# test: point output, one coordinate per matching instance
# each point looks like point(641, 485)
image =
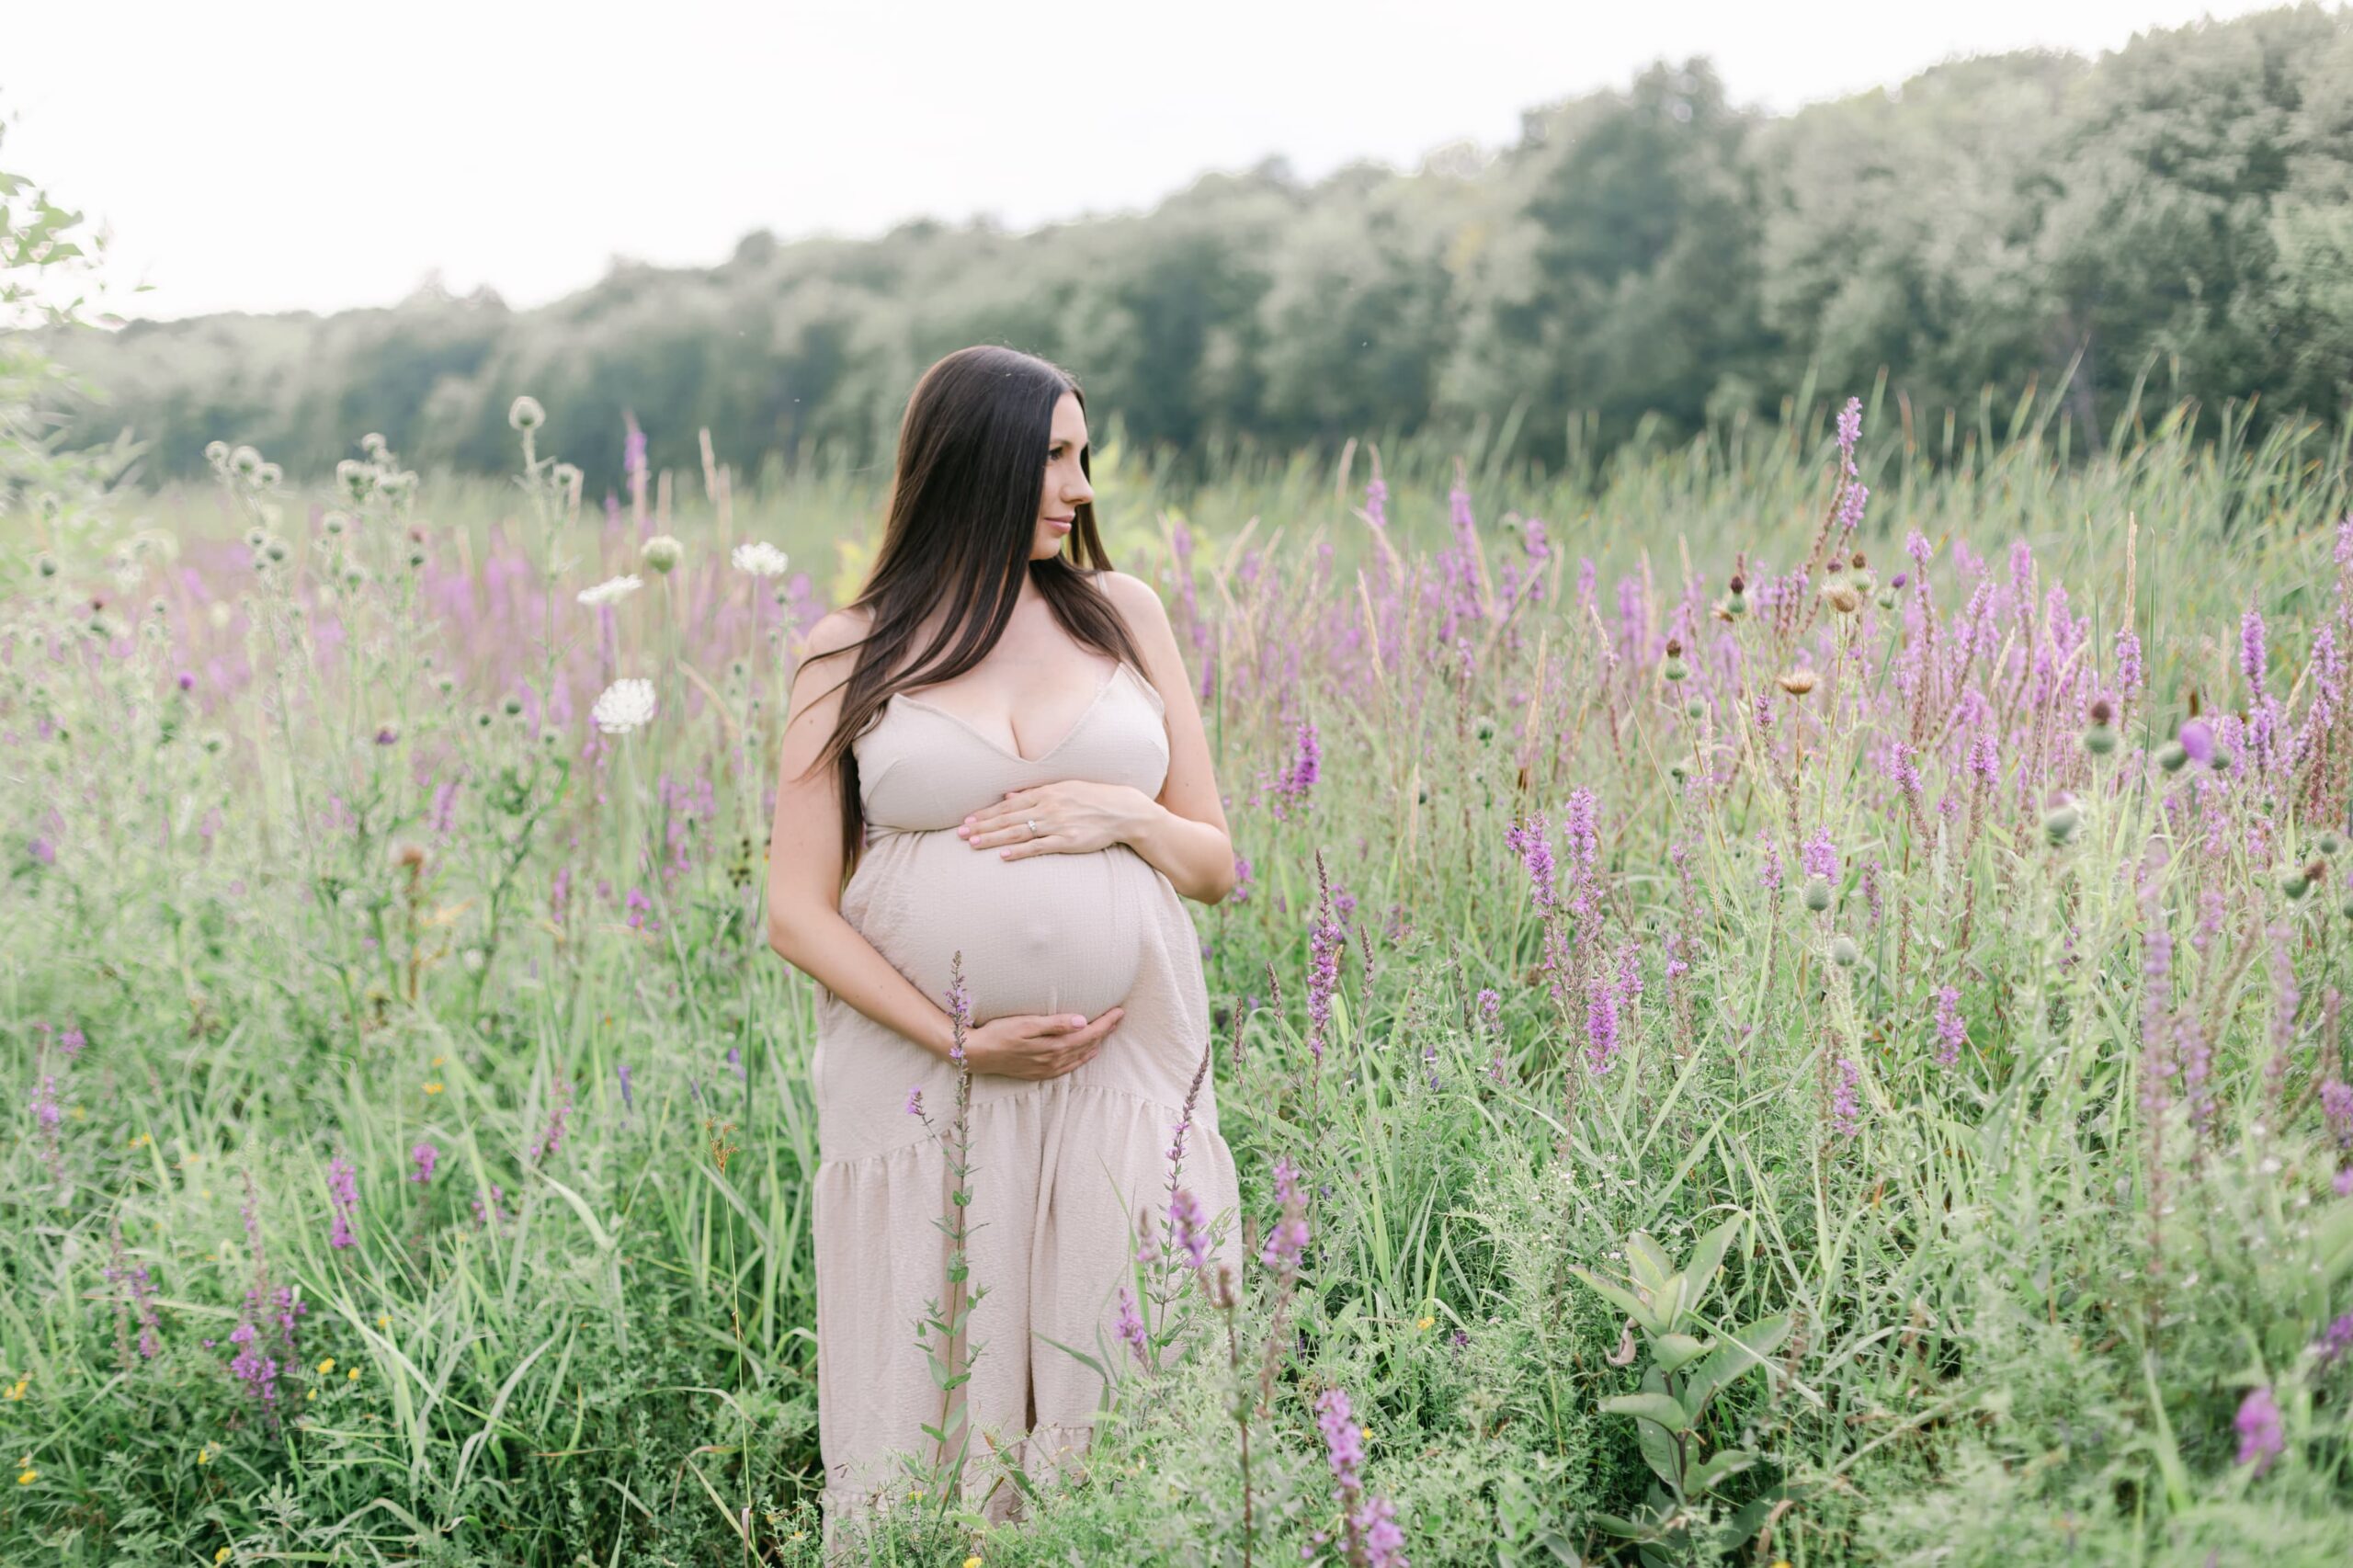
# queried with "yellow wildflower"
point(439, 1060)
point(204, 1454)
point(16, 1389)
point(222, 1555)
point(973, 1562)
point(28, 1478)
point(352, 1375)
point(326, 1366)
point(434, 1088)
point(1427, 1323)
point(313, 1395)
point(383, 1320)
point(798, 1535)
point(1368, 1434)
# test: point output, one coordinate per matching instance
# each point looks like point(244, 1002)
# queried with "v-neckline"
point(999, 746)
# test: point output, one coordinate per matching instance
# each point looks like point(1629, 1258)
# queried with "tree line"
point(2175, 217)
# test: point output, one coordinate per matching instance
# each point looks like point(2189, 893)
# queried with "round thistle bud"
point(374, 444)
point(1695, 709)
point(244, 462)
point(2171, 756)
point(511, 706)
point(216, 453)
point(1736, 602)
point(45, 563)
point(2221, 761)
point(335, 522)
point(2099, 740)
point(2330, 843)
point(2294, 884)
point(1682, 767)
point(2060, 824)
point(1843, 952)
point(1817, 892)
point(275, 549)
point(357, 479)
point(269, 476)
point(526, 414)
point(661, 553)
point(1886, 598)
point(1483, 726)
point(564, 476)
point(1675, 668)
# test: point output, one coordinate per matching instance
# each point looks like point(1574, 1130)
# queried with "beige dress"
point(1060, 1166)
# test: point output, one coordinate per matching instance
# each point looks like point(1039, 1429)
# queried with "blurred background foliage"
point(2173, 220)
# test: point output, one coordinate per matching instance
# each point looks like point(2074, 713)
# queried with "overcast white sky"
point(310, 155)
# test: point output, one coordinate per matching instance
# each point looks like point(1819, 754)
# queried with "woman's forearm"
point(831, 952)
point(1196, 856)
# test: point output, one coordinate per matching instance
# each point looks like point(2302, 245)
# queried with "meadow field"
point(1784, 1005)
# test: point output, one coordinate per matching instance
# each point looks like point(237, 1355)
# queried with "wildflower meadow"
point(1784, 1004)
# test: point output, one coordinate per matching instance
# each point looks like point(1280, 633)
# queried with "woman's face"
point(1066, 489)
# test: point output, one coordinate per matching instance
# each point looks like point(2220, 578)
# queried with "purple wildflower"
point(1952, 1032)
point(2336, 1109)
point(629, 1100)
point(343, 1193)
point(1850, 430)
point(915, 1100)
point(1845, 1111)
point(1819, 858)
point(2333, 1341)
point(1531, 842)
point(1288, 1241)
point(1768, 872)
point(424, 1156)
point(1130, 1326)
point(1601, 1031)
point(1192, 1234)
point(2197, 738)
point(552, 1137)
point(2262, 1434)
point(2254, 657)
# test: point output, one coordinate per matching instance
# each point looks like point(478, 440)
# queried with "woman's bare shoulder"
point(835, 630)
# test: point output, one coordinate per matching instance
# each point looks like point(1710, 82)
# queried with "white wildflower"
point(526, 414)
point(624, 705)
point(612, 590)
point(760, 558)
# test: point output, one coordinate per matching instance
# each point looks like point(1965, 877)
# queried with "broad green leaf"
point(1672, 1352)
point(1718, 1467)
point(1648, 1263)
point(1735, 1354)
point(1640, 1311)
point(1663, 1408)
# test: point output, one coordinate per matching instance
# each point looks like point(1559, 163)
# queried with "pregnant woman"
point(998, 741)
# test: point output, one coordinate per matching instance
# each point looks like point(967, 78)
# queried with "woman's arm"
point(805, 924)
point(1184, 831)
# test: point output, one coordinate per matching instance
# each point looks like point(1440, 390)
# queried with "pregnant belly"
point(1045, 934)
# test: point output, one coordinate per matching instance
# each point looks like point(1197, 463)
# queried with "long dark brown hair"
point(963, 513)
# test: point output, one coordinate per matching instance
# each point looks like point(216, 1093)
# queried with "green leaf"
point(1648, 1263)
point(1735, 1354)
point(1671, 1352)
point(1641, 1311)
point(1663, 1408)
point(1717, 1467)
point(1708, 1256)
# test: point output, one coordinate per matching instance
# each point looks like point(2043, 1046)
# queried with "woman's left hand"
point(1075, 816)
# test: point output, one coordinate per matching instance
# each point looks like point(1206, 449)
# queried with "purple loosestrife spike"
point(1288, 1241)
point(1952, 1032)
point(1819, 858)
point(2337, 1110)
point(2333, 1341)
point(1846, 1112)
point(915, 1101)
point(629, 1100)
point(1192, 1236)
point(1851, 431)
point(343, 1192)
point(2262, 1434)
point(1531, 841)
point(1130, 1326)
point(1147, 1245)
point(424, 1156)
point(1601, 1031)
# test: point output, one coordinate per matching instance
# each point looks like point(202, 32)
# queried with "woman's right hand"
point(1038, 1045)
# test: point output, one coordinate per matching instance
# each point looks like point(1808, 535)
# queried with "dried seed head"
point(1739, 584)
point(1797, 683)
point(2102, 712)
